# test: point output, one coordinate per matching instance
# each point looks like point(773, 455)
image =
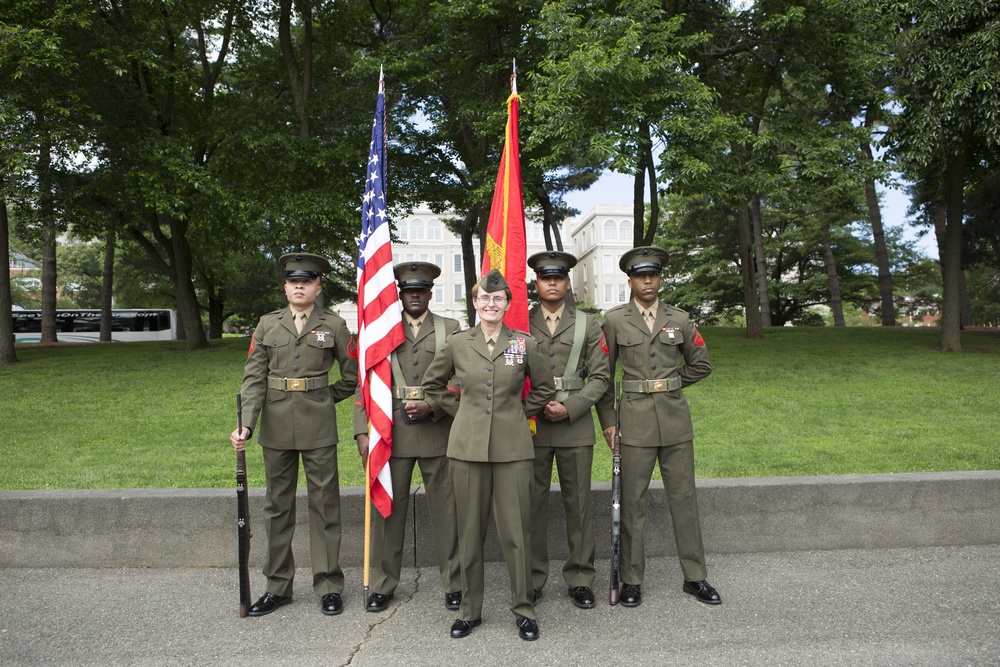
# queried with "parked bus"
point(84, 326)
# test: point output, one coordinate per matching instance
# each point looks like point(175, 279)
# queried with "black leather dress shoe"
point(631, 595)
point(378, 602)
point(703, 591)
point(527, 629)
point(267, 603)
point(582, 597)
point(453, 601)
point(332, 604)
point(462, 628)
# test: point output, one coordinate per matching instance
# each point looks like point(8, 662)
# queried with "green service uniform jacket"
point(674, 349)
point(423, 443)
point(571, 443)
point(490, 451)
point(656, 427)
point(491, 419)
point(297, 419)
point(299, 424)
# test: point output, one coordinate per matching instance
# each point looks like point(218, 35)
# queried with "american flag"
point(380, 319)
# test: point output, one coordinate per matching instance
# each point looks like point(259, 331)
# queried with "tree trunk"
point(216, 315)
point(7, 354)
point(761, 261)
point(951, 260)
point(47, 217)
point(469, 267)
point(965, 319)
point(550, 229)
point(107, 286)
point(750, 301)
point(638, 205)
point(878, 234)
point(186, 298)
point(836, 302)
point(300, 81)
point(654, 199)
point(217, 304)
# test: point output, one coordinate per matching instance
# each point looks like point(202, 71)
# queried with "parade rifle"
point(242, 516)
point(616, 500)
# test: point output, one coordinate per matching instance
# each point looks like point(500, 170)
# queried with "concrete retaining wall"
point(196, 527)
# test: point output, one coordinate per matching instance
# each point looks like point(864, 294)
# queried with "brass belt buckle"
point(295, 384)
point(413, 393)
point(657, 385)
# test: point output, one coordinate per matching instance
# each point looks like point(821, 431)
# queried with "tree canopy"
point(186, 145)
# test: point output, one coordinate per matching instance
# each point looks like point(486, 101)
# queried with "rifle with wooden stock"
point(616, 500)
point(242, 517)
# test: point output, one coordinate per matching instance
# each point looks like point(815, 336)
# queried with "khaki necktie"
point(552, 321)
point(300, 322)
point(415, 327)
point(650, 319)
point(489, 345)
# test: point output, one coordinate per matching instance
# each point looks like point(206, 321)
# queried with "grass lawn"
point(801, 401)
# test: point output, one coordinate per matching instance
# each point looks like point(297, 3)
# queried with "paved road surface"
point(927, 606)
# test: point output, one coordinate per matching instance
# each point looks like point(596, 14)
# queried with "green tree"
point(944, 73)
point(616, 85)
point(448, 69)
point(44, 122)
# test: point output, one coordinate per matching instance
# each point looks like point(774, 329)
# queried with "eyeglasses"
point(498, 300)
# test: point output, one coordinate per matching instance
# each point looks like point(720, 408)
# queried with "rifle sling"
point(439, 334)
point(579, 334)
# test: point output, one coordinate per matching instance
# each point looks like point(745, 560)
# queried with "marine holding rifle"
point(286, 384)
point(660, 352)
point(577, 356)
point(419, 436)
point(490, 448)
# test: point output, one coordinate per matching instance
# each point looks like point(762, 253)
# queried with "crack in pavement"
point(384, 617)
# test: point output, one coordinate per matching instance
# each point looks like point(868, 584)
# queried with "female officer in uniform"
point(490, 447)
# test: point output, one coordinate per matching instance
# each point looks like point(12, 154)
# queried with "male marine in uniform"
point(571, 339)
point(286, 384)
point(660, 351)
point(419, 435)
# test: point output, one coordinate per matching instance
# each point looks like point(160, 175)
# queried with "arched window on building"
point(610, 230)
point(416, 229)
point(433, 229)
point(402, 230)
point(625, 230)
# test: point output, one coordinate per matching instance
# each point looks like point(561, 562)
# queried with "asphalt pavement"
point(909, 606)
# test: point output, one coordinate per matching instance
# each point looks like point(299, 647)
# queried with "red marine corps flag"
point(506, 243)
point(380, 316)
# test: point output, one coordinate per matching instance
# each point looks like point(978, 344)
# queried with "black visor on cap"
point(644, 267)
point(555, 270)
point(301, 273)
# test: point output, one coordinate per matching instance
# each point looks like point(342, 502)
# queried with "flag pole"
point(368, 522)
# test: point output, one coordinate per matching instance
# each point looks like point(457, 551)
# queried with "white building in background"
point(598, 238)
